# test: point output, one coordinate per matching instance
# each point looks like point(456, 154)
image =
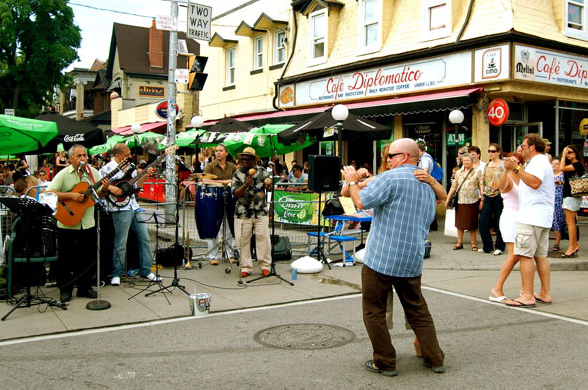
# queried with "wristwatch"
point(517, 169)
point(352, 183)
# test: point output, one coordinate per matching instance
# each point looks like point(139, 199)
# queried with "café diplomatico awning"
point(451, 100)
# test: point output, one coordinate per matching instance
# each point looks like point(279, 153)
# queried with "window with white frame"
point(370, 24)
point(280, 47)
point(230, 67)
point(436, 18)
point(576, 16)
point(318, 36)
point(258, 53)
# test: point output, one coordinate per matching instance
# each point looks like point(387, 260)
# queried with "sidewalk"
point(463, 272)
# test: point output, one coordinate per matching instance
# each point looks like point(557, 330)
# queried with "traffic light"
point(196, 64)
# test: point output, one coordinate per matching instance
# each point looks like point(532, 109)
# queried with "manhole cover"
point(304, 336)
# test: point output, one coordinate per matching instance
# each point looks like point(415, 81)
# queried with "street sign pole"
point(170, 194)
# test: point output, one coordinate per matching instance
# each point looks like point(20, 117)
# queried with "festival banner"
point(299, 208)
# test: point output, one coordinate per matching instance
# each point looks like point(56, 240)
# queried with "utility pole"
point(170, 190)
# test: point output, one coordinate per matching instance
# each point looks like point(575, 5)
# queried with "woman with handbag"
point(467, 187)
point(571, 166)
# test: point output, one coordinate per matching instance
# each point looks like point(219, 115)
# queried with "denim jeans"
point(123, 222)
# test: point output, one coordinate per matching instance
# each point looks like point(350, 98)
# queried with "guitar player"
point(77, 243)
point(126, 218)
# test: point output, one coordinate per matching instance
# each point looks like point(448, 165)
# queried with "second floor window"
point(280, 47)
point(318, 35)
point(436, 18)
point(370, 23)
point(576, 14)
point(258, 53)
point(230, 78)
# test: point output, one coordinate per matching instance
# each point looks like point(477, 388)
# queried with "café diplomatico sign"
point(438, 72)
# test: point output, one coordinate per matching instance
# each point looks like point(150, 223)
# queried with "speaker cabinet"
point(324, 173)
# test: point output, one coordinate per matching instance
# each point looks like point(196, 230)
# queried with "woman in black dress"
point(571, 166)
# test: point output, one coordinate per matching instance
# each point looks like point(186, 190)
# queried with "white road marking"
point(350, 296)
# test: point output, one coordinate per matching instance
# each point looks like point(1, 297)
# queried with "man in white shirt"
point(425, 159)
point(536, 203)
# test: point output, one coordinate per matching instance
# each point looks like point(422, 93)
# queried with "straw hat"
point(547, 142)
point(248, 151)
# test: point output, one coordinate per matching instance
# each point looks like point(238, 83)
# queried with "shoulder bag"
point(455, 198)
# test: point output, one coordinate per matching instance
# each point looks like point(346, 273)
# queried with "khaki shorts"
point(531, 241)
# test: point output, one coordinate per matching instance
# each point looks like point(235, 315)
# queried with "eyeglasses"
point(492, 151)
point(571, 151)
point(392, 155)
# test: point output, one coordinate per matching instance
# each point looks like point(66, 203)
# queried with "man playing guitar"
point(126, 218)
point(77, 243)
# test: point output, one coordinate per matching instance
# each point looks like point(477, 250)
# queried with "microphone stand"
point(97, 304)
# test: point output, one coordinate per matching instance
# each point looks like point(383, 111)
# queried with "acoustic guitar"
point(70, 212)
point(127, 181)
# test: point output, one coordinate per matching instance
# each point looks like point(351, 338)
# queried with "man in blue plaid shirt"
point(403, 209)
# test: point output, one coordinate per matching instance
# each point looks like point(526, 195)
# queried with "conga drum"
point(209, 209)
point(230, 208)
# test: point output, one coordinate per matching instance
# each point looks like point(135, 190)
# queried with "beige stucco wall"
point(252, 93)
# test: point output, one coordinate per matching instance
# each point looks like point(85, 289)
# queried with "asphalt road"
point(486, 345)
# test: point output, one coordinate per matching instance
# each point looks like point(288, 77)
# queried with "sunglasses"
point(571, 151)
point(492, 151)
point(461, 153)
point(392, 155)
point(247, 158)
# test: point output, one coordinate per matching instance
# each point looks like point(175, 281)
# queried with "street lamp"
point(340, 114)
point(136, 129)
point(456, 118)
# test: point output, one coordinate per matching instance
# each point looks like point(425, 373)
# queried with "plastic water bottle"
point(294, 274)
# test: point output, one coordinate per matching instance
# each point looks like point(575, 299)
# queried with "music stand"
point(157, 218)
point(178, 250)
point(26, 208)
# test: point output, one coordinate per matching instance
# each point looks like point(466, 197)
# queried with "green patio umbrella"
point(142, 138)
point(187, 138)
point(116, 139)
point(263, 139)
point(100, 149)
point(21, 135)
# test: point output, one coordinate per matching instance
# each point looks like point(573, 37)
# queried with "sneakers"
point(116, 281)
point(214, 262)
point(153, 278)
point(265, 272)
point(244, 274)
point(497, 252)
point(371, 367)
point(436, 370)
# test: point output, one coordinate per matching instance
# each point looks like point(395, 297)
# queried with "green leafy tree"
point(38, 39)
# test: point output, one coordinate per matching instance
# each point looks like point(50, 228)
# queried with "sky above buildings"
point(95, 18)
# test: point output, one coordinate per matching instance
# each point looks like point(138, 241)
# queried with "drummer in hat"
point(223, 171)
point(250, 184)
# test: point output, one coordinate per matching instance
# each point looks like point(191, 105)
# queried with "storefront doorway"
point(511, 134)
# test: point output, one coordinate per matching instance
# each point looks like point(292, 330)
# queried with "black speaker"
point(324, 173)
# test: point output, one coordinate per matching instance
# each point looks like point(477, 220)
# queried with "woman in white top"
point(509, 190)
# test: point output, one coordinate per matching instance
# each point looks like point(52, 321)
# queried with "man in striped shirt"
point(403, 210)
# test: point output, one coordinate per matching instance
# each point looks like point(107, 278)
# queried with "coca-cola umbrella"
point(71, 132)
point(22, 135)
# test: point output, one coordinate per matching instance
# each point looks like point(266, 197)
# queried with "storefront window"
point(570, 114)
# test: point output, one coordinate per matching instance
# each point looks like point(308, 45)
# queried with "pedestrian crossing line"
point(526, 310)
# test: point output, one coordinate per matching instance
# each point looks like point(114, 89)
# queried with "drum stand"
point(223, 244)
